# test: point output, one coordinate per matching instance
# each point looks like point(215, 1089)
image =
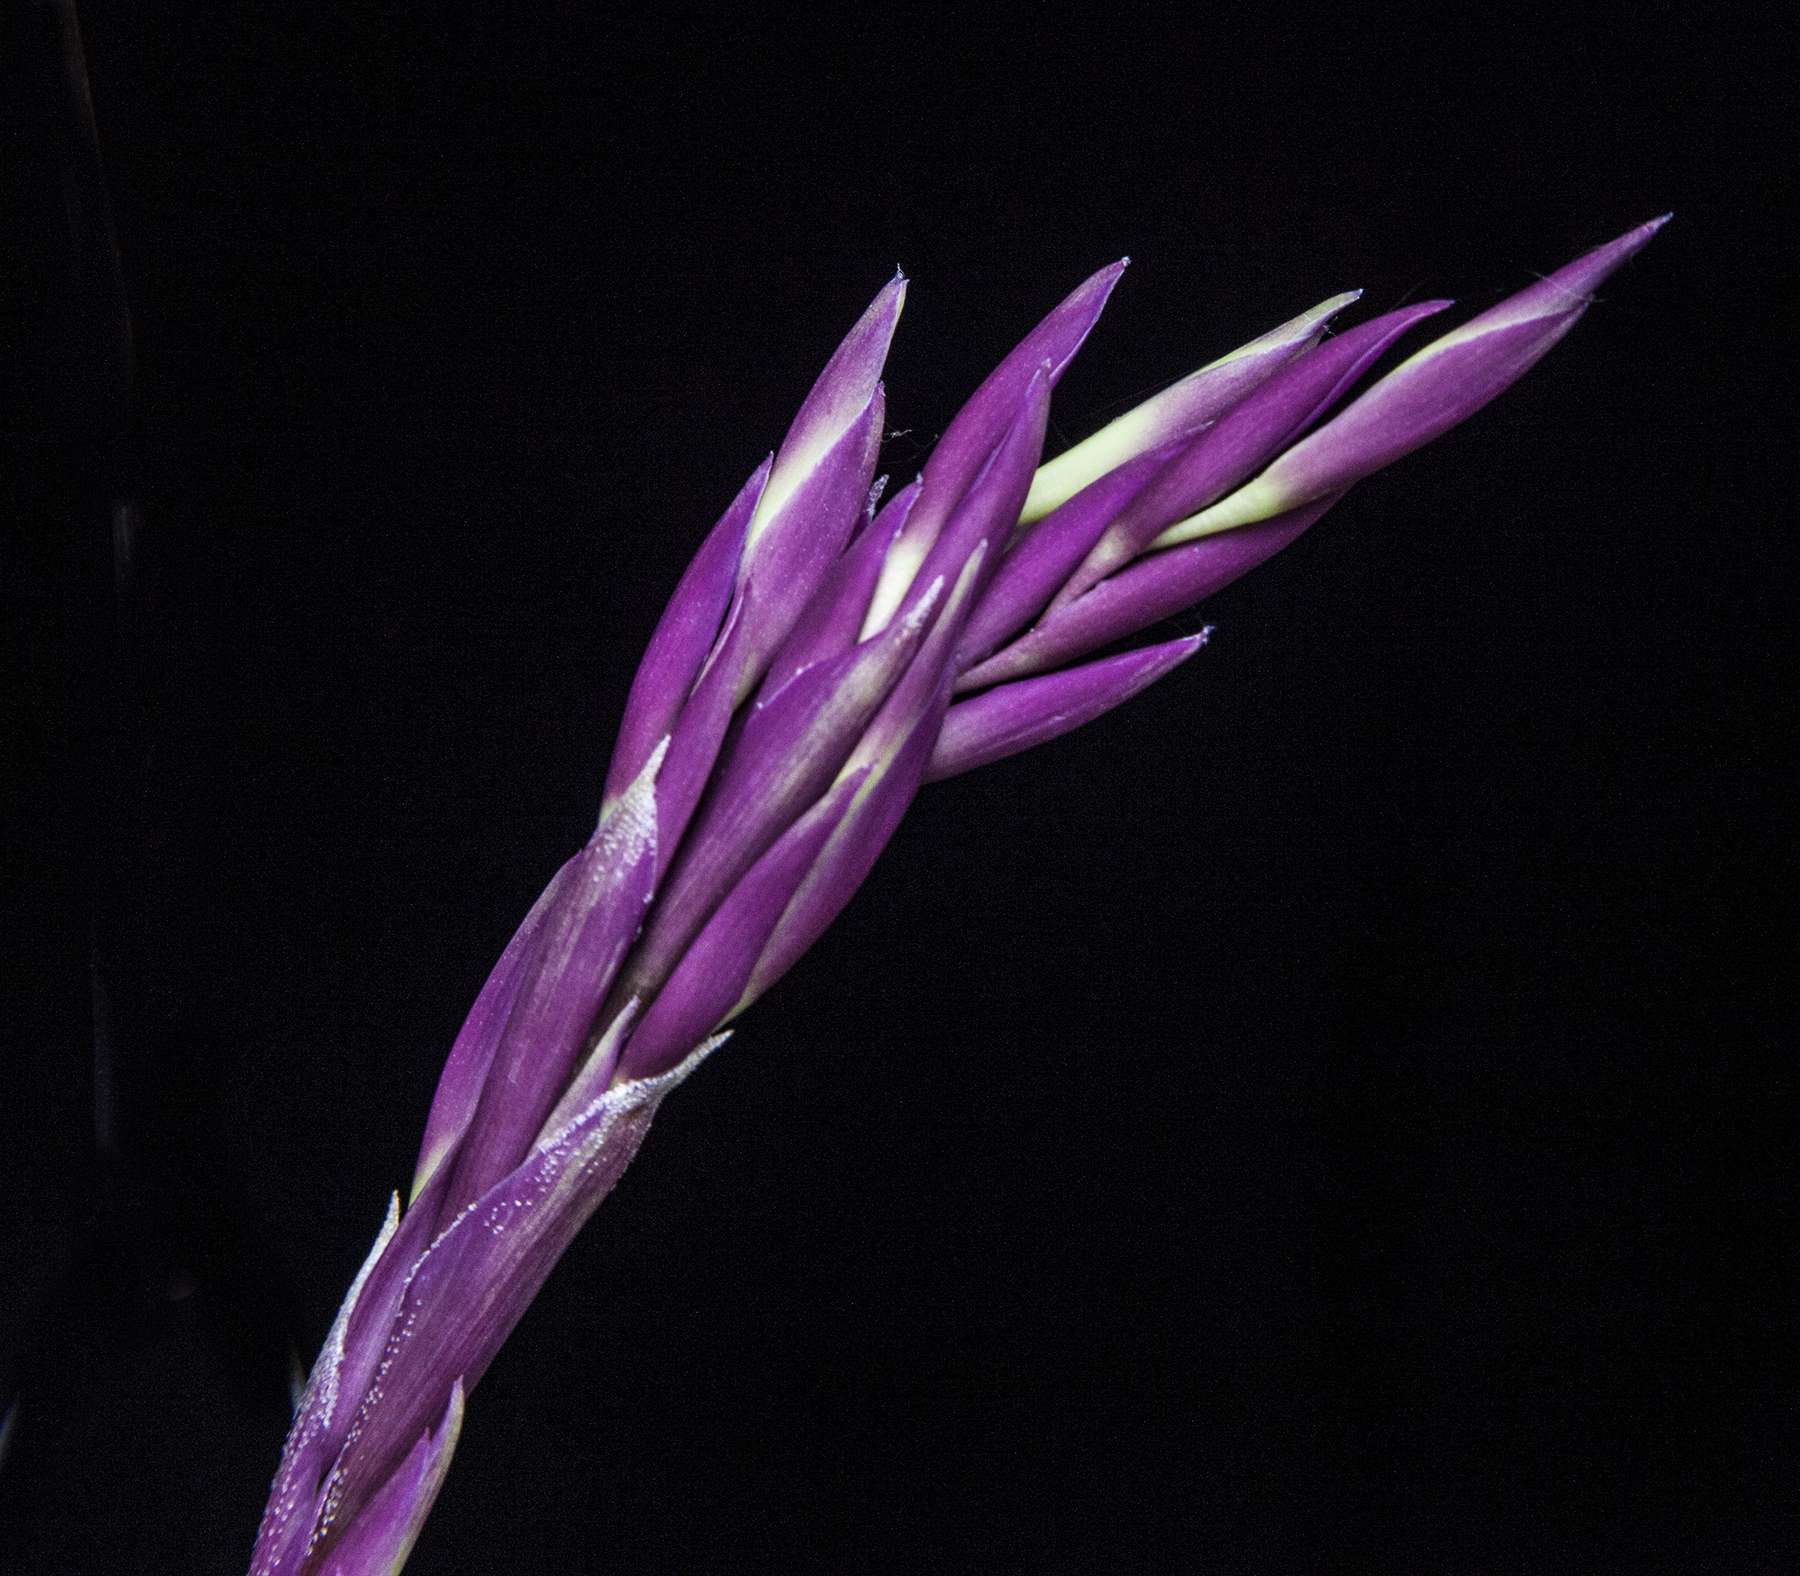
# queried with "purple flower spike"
point(1447, 381)
point(795, 694)
point(683, 637)
point(979, 425)
point(1220, 458)
point(383, 1535)
point(705, 989)
point(1016, 716)
point(1144, 594)
point(1181, 410)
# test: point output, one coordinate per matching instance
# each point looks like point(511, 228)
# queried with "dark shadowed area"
point(1335, 1113)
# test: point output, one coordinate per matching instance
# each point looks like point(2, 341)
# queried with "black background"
point(1333, 1114)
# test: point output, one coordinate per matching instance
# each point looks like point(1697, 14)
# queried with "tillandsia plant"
point(822, 657)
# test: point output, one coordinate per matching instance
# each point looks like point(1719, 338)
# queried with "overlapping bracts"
point(794, 696)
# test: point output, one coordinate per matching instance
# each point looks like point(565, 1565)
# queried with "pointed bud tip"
point(1635, 240)
point(1587, 273)
point(880, 319)
point(1107, 277)
point(1312, 320)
